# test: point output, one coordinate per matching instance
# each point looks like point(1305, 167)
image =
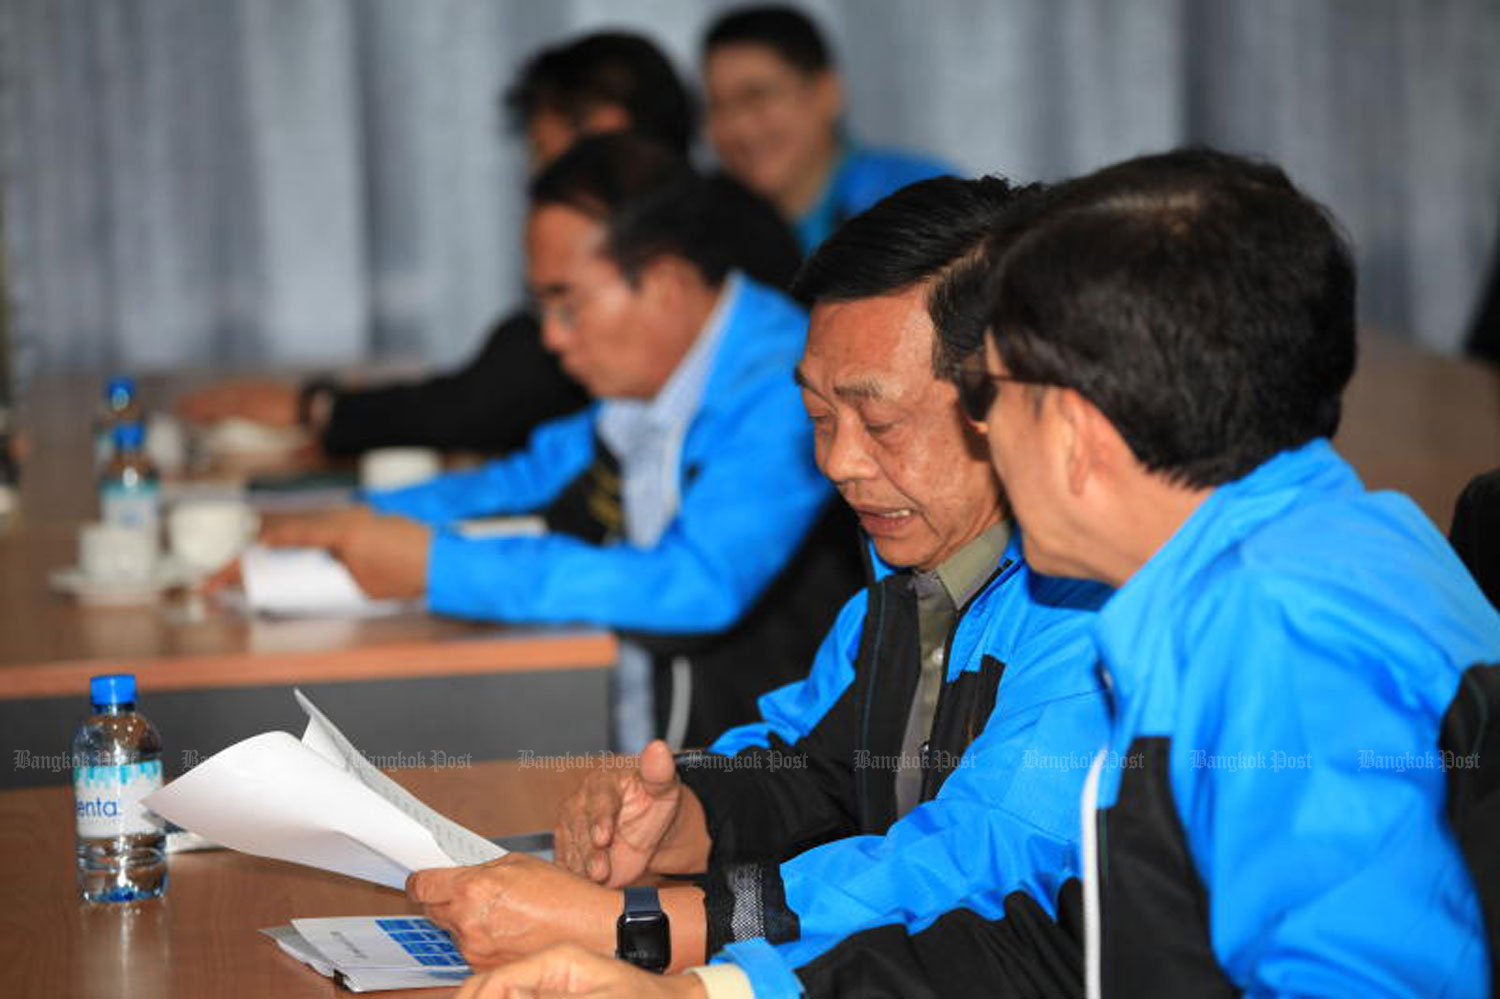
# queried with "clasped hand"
point(514, 906)
point(626, 823)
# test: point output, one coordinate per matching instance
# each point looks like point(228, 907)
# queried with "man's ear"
point(1078, 428)
point(828, 93)
point(1095, 448)
point(664, 279)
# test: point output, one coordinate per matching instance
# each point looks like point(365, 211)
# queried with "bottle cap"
point(129, 436)
point(119, 391)
point(113, 688)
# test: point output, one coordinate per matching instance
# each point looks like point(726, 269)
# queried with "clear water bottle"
point(122, 855)
point(120, 405)
point(129, 489)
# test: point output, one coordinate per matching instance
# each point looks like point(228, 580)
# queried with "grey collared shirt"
point(940, 594)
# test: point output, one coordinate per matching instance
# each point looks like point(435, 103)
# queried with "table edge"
point(396, 661)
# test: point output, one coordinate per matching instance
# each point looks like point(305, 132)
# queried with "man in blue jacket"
point(1303, 673)
point(677, 499)
point(775, 117)
point(915, 798)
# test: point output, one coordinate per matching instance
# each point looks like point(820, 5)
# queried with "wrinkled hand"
point(515, 906)
point(624, 823)
point(567, 970)
point(386, 555)
point(259, 399)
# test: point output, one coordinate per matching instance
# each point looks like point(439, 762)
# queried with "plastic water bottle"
point(120, 405)
point(129, 491)
point(122, 855)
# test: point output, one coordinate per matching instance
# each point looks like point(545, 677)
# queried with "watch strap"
point(642, 900)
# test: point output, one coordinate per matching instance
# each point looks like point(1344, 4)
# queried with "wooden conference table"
point(209, 676)
point(201, 939)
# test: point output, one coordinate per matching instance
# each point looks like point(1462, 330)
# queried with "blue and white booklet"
point(373, 953)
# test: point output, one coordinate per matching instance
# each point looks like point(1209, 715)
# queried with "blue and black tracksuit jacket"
point(1304, 798)
point(816, 887)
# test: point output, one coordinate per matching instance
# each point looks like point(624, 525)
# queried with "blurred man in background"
point(775, 117)
point(600, 83)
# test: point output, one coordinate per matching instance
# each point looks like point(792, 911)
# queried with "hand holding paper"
point(306, 582)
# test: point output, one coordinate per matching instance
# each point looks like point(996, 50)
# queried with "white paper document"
point(370, 953)
point(307, 582)
point(319, 802)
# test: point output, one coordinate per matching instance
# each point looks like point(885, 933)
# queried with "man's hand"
point(515, 906)
point(387, 555)
point(259, 399)
point(572, 971)
point(624, 823)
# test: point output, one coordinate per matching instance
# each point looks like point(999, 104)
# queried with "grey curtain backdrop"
point(315, 182)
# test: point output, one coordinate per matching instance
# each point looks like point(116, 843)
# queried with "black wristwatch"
point(642, 936)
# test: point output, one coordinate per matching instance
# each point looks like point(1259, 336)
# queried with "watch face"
point(644, 940)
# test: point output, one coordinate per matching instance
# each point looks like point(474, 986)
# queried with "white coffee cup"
point(397, 467)
point(207, 534)
point(115, 554)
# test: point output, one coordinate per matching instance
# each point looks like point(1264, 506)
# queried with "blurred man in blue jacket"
point(694, 472)
point(775, 117)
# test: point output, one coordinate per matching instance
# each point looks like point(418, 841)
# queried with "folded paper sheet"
point(307, 582)
point(318, 802)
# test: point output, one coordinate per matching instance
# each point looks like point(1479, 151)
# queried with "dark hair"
point(787, 31)
point(933, 229)
point(1198, 299)
point(608, 68)
point(653, 204)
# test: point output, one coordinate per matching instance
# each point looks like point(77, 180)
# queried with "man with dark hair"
point(903, 806)
point(1304, 675)
point(775, 109)
point(694, 473)
point(604, 82)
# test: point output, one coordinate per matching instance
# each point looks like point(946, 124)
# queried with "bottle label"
point(108, 799)
point(134, 507)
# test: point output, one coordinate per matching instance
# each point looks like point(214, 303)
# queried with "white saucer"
point(122, 592)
